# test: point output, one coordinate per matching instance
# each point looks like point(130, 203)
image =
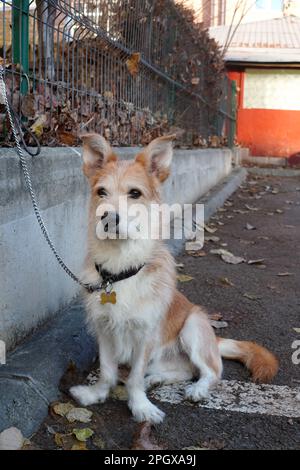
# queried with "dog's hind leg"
point(170, 371)
point(199, 342)
point(89, 394)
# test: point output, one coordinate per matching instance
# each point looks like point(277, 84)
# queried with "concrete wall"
point(32, 285)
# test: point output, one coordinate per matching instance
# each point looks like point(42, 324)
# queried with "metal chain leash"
point(27, 178)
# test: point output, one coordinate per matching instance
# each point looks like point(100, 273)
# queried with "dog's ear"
point(96, 153)
point(157, 156)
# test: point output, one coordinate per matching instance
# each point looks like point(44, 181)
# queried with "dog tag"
point(108, 298)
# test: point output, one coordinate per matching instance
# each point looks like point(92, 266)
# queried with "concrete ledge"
point(29, 381)
point(274, 171)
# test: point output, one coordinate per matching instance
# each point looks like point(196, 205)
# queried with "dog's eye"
point(134, 193)
point(101, 192)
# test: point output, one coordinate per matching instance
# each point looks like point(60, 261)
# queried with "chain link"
point(27, 178)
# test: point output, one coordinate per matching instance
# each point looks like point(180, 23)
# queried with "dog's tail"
point(262, 364)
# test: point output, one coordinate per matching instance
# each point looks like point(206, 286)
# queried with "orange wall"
point(266, 132)
point(270, 132)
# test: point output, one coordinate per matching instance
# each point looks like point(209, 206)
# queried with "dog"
point(146, 322)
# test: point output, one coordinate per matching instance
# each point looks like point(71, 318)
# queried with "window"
point(272, 89)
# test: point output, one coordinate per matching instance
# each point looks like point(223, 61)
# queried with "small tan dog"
point(145, 322)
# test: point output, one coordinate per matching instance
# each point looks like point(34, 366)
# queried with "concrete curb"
point(29, 381)
point(274, 171)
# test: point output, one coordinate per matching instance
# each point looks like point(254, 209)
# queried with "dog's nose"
point(110, 220)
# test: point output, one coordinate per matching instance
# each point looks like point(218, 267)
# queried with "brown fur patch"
point(179, 310)
point(261, 362)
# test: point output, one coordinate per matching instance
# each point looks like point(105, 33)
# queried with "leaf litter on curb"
point(72, 413)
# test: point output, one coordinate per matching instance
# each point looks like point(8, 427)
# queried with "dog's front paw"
point(146, 411)
point(89, 394)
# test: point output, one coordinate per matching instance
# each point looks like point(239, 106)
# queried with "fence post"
point(20, 39)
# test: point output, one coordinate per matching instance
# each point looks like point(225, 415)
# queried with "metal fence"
point(128, 69)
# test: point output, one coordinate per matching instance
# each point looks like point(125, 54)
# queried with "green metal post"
point(20, 38)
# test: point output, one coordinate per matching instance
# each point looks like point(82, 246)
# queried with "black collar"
point(112, 278)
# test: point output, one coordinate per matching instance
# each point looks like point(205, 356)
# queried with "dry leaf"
point(65, 441)
point(197, 254)
point(79, 414)
point(250, 208)
point(232, 259)
point(228, 257)
point(279, 211)
point(79, 446)
point(11, 439)
point(82, 434)
point(143, 440)
point(38, 126)
point(285, 274)
point(297, 330)
point(179, 265)
point(256, 261)
point(212, 238)
point(250, 227)
point(209, 229)
point(119, 393)
point(184, 278)
point(193, 246)
point(195, 81)
point(226, 282)
point(67, 138)
point(215, 316)
point(62, 409)
point(251, 296)
point(133, 63)
point(218, 324)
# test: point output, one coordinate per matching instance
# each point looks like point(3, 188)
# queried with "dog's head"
point(124, 191)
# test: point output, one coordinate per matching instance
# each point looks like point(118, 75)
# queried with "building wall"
point(268, 120)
